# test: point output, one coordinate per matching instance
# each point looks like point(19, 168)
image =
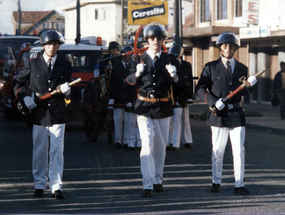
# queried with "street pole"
point(20, 15)
point(180, 22)
point(77, 39)
point(176, 22)
point(122, 29)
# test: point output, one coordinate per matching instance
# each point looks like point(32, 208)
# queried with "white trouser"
point(131, 131)
point(186, 134)
point(180, 129)
point(175, 128)
point(219, 142)
point(119, 114)
point(48, 145)
point(154, 134)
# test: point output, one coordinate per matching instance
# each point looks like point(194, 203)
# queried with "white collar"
point(152, 55)
point(224, 60)
point(46, 58)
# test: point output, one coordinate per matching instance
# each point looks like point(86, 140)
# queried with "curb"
point(266, 129)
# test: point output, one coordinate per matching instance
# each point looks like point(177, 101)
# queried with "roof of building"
point(30, 16)
point(35, 18)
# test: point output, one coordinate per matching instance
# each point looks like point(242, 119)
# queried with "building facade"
point(32, 22)
point(97, 18)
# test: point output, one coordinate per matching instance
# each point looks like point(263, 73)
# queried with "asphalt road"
point(99, 179)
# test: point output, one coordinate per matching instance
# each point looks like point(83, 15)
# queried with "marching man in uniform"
point(180, 130)
point(122, 94)
point(107, 66)
point(154, 77)
point(218, 79)
point(44, 74)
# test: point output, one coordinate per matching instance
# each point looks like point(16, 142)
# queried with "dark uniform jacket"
point(121, 92)
point(277, 82)
point(183, 90)
point(215, 83)
point(103, 68)
point(53, 110)
point(153, 83)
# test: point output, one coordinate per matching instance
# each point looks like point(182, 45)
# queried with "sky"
point(8, 6)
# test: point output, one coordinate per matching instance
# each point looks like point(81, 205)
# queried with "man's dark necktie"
point(155, 62)
point(229, 68)
point(49, 65)
point(127, 66)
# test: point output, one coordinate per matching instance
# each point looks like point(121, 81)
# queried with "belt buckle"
point(230, 106)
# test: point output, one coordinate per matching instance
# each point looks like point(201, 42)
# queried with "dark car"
point(12, 44)
point(15, 43)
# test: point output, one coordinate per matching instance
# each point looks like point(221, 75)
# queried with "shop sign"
point(145, 12)
point(250, 12)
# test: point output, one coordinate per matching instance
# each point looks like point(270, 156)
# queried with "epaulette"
point(32, 58)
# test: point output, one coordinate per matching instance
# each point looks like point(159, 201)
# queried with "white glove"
point(65, 88)
point(30, 102)
point(110, 104)
point(129, 104)
point(219, 104)
point(140, 68)
point(171, 70)
point(189, 102)
point(252, 80)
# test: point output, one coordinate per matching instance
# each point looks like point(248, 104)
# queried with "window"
point(238, 8)
point(81, 61)
point(96, 14)
point(221, 9)
point(205, 11)
point(44, 25)
point(106, 14)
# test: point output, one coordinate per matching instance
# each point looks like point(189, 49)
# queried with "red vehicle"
point(12, 65)
point(13, 43)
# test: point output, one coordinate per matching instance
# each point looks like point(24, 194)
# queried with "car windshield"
point(15, 44)
point(81, 61)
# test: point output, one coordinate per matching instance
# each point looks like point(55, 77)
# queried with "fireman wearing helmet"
point(107, 66)
point(44, 74)
point(180, 130)
point(154, 77)
point(217, 80)
point(121, 95)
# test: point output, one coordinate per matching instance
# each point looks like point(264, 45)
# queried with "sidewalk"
point(269, 122)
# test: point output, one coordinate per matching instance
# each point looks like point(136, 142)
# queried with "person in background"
point(278, 88)
point(106, 67)
point(180, 130)
point(154, 76)
point(218, 79)
point(44, 74)
point(120, 96)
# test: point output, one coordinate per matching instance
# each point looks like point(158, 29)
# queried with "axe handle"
point(233, 94)
point(241, 87)
point(48, 95)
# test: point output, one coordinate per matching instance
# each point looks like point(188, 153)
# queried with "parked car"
point(12, 66)
point(10, 48)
